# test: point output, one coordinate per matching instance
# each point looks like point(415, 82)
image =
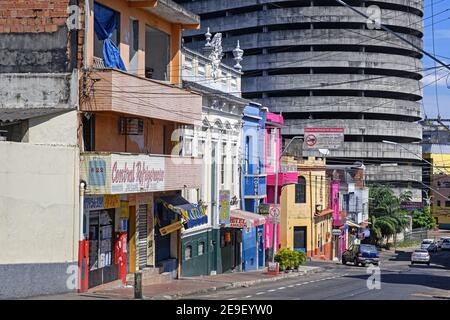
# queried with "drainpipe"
point(82, 189)
point(86, 32)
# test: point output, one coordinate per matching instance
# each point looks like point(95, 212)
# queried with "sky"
point(442, 47)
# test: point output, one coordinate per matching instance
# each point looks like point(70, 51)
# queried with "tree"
point(387, 217)
point(423, 219)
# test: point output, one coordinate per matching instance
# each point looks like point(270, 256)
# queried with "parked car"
point(361, 254)
point(445, 244)
point(439, 243)
point(430, 245)
point(420, 256)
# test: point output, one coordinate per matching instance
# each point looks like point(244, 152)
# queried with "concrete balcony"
point(280, 16)
point(313, 37)
point(393, 173)
point(205, 6)
point(255, 186)
point(331, 82)
point(122, 173)
point(378, 150)
point(118, 91)
point(358, 127)
point(344, 104)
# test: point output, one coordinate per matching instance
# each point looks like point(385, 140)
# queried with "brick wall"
point(34, 36)
point(32, 15)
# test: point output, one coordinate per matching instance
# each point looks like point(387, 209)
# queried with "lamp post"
point(277, 164)
point(417, 155)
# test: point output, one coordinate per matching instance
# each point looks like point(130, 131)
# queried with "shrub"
point(290, 259)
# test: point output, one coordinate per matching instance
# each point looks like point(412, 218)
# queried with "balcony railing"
point(99, 63)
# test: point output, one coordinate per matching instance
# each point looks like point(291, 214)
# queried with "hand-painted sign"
point(94, 202)
point(171, 228)
point(224, 203)
point(323, 138)
point(97, 172)
point(112, 201)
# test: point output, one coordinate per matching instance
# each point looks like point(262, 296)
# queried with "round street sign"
point(274, 214)
point(311, 140)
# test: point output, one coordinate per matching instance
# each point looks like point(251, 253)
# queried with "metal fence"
point(416, 234)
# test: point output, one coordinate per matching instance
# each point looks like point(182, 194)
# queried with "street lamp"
point(274, 245)
point(417, 155)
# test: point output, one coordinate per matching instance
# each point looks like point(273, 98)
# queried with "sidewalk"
point(188, 286)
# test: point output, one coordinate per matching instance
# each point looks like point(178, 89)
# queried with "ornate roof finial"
point(208, 36)
point(238, 53)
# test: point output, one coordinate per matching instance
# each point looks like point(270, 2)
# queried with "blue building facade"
point(253, 184)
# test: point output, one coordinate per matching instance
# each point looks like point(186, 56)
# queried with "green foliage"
point(386, 216)
point(290, 259)
point(408, 243)
point(423, 219)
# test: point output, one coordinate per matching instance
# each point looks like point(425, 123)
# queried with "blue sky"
point(442, 45)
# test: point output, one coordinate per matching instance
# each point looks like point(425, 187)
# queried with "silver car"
point(420, 256)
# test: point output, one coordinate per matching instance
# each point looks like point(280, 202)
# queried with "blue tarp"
point(105, 23)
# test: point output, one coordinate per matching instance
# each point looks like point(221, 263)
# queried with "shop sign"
point(323, 138)
point(94, 202)
point(137, 174)
point(411, 205)
point(124, 210)
point(112, 201)
point(336, 232)
point(171, 228)
point(224, 205)
point(236, 222)
point(97, 172)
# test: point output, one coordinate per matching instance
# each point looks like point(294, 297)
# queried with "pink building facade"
point(273, 146)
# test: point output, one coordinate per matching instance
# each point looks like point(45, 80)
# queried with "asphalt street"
point(399, 280)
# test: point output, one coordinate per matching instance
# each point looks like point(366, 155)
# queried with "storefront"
point(127, 227)
point(174, 254)
point(252, 226)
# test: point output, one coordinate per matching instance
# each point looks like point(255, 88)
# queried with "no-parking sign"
point(323, 138)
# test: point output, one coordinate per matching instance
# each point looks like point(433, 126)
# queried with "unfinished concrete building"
point(322, 65)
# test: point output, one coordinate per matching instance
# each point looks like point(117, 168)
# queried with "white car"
point(445, 244)
point(441, 240)
point(420, 256)
point(429, 244)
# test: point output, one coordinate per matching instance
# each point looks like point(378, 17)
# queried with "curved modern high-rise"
point(321, 65)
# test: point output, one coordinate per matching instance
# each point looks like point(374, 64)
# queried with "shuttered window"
point(142, 236)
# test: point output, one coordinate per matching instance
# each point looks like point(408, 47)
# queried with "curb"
point(241, 284)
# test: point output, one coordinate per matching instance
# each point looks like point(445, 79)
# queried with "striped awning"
point(245, 219)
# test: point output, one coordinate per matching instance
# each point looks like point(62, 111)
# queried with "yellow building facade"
point(438, 177)
point(306, 217)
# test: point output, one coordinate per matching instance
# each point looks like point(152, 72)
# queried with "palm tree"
point(388, 218)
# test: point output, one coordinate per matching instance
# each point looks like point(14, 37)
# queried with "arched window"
point(201, 248)
point(188, 253)
point(300, 190)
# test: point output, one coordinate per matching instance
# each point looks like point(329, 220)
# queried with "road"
point(399, 281)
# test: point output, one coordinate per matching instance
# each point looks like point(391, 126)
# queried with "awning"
point(324, 212)
point(352, 224)
point(192, 214)
point(245, 219)
point(15, 114)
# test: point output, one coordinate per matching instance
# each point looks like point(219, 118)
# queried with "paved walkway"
point(188, 286)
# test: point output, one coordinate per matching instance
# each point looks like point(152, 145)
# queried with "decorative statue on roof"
point(216, 54)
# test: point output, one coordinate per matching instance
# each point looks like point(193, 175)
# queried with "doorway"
point(300, 239)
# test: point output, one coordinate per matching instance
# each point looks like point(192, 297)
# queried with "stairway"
point(151, 276)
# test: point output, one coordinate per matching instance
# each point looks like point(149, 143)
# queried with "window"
point(222, 165)
point(134, 45)
point(187, 147)
point(439, 203)
point(300, 190)
point(447, 203)
point(157, 54)
point(247, 154)
point(271, 148)
point(201, 70)
point(98, 44)
point(201, 148)
point(188, 253)
point(201, 248)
